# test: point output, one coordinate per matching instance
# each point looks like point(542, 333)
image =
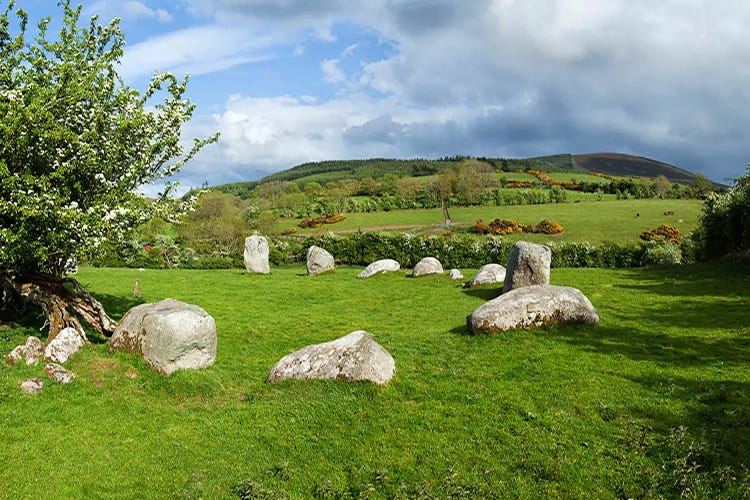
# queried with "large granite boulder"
point(68, 342)
point(379, 266)
point(531, 307)
point(354, 357)
point(428, 265)
point(528, 264)
point(490, 273)
point(256, 255)
point(170, 335)
point(318, 261)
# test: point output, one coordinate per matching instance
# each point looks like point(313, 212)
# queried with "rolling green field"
point(654, 401)
point(593, 221)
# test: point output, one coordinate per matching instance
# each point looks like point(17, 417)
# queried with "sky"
point(291, 81)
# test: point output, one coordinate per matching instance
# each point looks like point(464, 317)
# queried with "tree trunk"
point(63, 300)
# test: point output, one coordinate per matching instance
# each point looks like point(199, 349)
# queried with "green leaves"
point(75, 142)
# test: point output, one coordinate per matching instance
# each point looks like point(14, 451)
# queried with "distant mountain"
point(622, 165)
point(615, 164)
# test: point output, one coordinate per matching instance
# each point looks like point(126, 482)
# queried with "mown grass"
point(619, 221)
point(654, 401)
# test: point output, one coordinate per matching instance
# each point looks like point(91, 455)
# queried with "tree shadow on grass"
point(116, 306)
point(703, 436)
point(483, 293)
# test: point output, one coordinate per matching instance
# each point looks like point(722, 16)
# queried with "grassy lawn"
point(654, 401)
point(593, 221)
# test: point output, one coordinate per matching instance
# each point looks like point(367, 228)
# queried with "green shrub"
point(724, 227)
point(662, 254)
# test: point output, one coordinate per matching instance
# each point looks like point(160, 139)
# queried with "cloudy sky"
point(289, 81)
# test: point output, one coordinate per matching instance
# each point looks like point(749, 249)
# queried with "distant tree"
point(701, 186)
point(217, 226)
point(75, 144)
point(662, 185)
point(472, 178)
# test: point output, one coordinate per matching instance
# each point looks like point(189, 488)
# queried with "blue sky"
point(289, 81)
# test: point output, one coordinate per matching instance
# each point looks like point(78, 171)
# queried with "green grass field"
point(652, 402)
point(593, 221)
point(576, 177)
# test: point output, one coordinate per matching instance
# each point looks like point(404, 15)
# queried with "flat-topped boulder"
point(487, 274)
point(354, 357)
point(379, 267)
point(533, 306)
point(428, 265)
point(318, 261)
point(256, 254)
point(170, 335)
point(528, 264)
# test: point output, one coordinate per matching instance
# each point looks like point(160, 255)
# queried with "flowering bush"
point(545, 227)
point(497, 226)
point(663, 232)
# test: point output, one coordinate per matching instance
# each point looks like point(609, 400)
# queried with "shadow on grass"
point(483, 293)
point(704, 440)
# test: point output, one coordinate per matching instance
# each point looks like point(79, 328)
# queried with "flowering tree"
point(75, 144)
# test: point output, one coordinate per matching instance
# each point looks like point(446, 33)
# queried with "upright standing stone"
point(528, 265)
point(256, 255)
point(318, 261)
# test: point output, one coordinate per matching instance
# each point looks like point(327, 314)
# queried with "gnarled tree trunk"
point(63, 300)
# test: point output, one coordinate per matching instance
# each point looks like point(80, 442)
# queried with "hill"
point(623, 165)
point(616, 164)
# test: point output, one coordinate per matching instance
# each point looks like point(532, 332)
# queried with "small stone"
point(428, 265)
point(318, 261)
point(15, 355)
point(32, 385)
point(34, 350)
point(455, 274)
point(379, 266)
point(490, 273)
point(59, 374)
point(62, 347)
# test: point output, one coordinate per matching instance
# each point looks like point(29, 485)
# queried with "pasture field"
point(654, 401)
point(577, 177)
point(619, 221)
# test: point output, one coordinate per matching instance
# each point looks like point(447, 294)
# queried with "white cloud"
point(656, 78)
point(131, 10)
point(196, 51)
point(331, 71)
